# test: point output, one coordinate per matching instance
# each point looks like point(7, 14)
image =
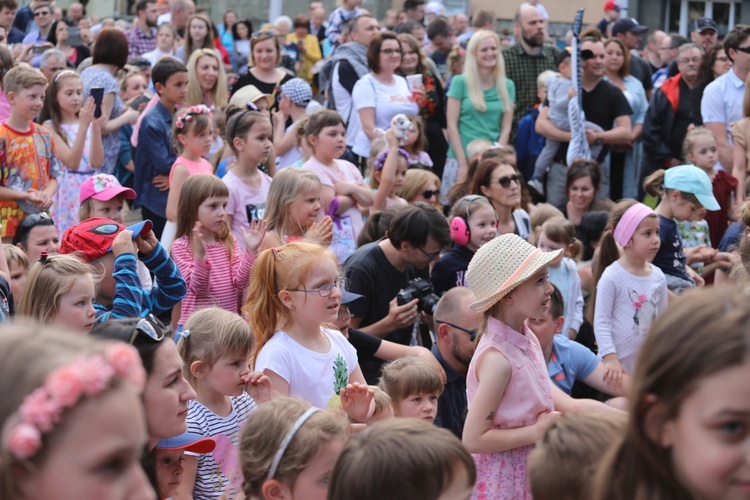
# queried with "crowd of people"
point(336, 256)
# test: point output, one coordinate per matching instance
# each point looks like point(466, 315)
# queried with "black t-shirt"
point(670, 258)
point(266, 88)
point(371, 275)
point(603, 105)
point(366, 346)
point(642, 71)
point(450, 271)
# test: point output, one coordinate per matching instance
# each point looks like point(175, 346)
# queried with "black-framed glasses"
point(432, 255)
point(326, 290)
point(505, 181)
point(746, 50)
point(722, 58)
point(472, 333)
point(151, 327)
point(263, 34)
point(430, 194)
point(41, 13)
point(390, 52)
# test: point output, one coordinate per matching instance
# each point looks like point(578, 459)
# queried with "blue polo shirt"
point(570, 361)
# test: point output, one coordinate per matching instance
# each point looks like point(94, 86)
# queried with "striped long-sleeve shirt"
point(131, 300)
point(219, 280)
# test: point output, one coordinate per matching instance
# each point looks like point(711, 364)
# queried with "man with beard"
point(527, 59)
point(142, 36)
point(456, 327)
point(603, 104)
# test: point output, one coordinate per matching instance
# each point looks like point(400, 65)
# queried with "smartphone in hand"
point(98, 94)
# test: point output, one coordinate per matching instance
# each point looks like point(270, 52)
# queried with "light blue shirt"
point(570, 361)
point(722, 102)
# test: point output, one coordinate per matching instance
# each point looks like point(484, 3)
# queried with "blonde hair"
point(288, 185)
point(285, 268)
point(219, 94)
point(382, 401)
point(414, 182)
point(562, 464)
point(15, 254)
point(471, 73)
point(544, 76)
point(210, 334)
point(476, 147)
point(266, 428)
point(84, 211)
point(407, 376)
point(541, 214)
point(23, 77)
point(399, 459)
point(563, 232)
point(47, 281)
point(691, 137)
point(28, 354)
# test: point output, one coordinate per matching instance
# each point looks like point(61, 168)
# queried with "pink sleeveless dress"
point(502, 475)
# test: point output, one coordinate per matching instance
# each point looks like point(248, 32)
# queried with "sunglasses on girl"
point(429, 194)
point(151, 327)
point(505, 181)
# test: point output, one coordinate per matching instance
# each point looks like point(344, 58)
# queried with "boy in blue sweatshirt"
point(110, 248)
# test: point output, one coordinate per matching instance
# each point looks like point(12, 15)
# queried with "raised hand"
point(198, 242)
point(258, 386)
point(356, 401)
point(254, 236)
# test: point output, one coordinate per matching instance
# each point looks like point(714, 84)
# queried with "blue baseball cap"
point(691, 179)
point(347, 297)
point(194, 443)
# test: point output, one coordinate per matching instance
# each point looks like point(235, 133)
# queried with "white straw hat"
point(501, 265)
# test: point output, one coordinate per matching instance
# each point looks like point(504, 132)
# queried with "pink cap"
point(104, 187)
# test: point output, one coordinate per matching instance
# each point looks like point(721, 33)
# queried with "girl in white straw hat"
point(511, 397)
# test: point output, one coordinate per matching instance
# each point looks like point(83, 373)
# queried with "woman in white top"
point(381, 94)
point(165, 37)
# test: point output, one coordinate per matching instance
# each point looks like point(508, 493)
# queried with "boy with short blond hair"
point(28, 165)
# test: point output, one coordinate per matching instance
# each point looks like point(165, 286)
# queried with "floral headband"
point(187, 115)
point(380, 160)
point(63, 389)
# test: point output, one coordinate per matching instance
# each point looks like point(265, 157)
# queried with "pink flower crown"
point(187, 115)
point(380, 160)
point(63, 389)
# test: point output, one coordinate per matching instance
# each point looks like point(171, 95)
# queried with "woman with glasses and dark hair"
point(265, 72)
point(501, 183)
point(35, 234)
point(166, 393)
point(382, 94)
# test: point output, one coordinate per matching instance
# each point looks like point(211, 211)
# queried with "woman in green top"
point(480, 104)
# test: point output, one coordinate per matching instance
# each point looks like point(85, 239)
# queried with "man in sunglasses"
point(456, 327)
point(605, 105)
point(379, 270)
point(722, 99)
point(43, 19)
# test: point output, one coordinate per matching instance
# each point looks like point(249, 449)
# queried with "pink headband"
point(629, 223)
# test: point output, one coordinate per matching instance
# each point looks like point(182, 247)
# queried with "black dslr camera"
point(422, 290)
